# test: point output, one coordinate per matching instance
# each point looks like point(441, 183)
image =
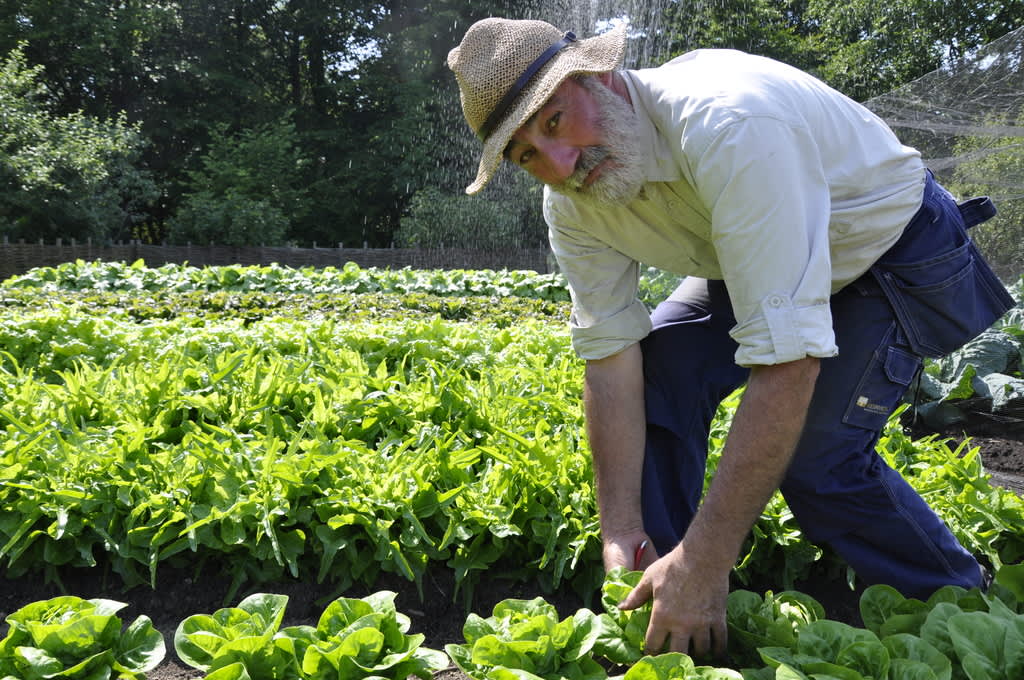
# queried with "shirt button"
point(775, 301)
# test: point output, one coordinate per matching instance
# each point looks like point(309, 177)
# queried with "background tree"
point(434, 155)
point(64, 176)
point(998, 170)
point(248, 189)
point(772, 28)
point(870, 47)
point(377, 149)
point(98, 57)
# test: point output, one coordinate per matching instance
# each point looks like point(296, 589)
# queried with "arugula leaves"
point(272, 444)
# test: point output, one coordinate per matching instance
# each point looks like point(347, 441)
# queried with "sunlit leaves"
point(333, 447)
point(70, 637)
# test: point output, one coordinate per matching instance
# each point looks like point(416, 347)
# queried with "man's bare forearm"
point(614, 402)
point(690, 585)
point(764, 434)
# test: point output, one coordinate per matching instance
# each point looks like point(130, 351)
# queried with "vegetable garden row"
point(331, 425)
point(955, 634)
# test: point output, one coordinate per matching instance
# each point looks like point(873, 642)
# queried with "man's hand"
point(632, 550)
point(689, 586)
point(688, 615)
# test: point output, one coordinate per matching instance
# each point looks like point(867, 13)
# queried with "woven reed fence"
point(18, 258)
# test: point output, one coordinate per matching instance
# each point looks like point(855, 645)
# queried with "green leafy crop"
point(365, 639)
point(623, 631)
point(270, 422)
point(69, 637)
point(246, 635)
point(655, 285)
point(956, 633)
point(353, 640)
point(676, 666)
point(525, 640)
point(772, 620)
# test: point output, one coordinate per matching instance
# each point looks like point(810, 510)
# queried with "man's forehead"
point(558, 98)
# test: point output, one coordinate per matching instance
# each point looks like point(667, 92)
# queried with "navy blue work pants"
point(839, 489)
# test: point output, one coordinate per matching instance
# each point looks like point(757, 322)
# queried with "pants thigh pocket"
point(945, 301)
point(882, 385)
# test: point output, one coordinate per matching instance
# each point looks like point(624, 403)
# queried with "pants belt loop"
point(977, 210)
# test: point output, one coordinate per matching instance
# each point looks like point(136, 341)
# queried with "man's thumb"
point(637, 596)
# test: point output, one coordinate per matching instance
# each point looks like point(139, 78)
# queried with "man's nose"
point(561, 161)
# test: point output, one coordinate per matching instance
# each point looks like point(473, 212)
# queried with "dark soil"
point(439, 615)
point(1000, 441)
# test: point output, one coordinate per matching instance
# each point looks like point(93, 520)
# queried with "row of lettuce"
point(332, 445)
point(331, 449)
point(955, 635)
point(983, 379)
point(350, 278)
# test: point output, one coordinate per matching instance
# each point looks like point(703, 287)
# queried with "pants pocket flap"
point(900, 366)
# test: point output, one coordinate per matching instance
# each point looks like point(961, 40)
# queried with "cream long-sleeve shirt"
point(757, 174)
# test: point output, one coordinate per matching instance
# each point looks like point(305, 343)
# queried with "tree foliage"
point(157, 113)
point(997, 169)
point(871, 47)
point(862, 47)
point(772, 28)
point(439, 219)
point(64, 176)
point(248, 189)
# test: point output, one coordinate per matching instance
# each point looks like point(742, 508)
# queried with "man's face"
point(584, 142)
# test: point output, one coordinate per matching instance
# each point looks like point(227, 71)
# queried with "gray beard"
point(622, 178)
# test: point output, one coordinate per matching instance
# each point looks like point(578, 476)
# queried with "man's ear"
point(605, 77)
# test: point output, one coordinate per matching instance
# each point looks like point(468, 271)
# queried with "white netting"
point(966, 119)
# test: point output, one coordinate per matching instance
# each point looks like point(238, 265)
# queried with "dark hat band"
point(503, 106)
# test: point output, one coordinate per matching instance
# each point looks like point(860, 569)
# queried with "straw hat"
point(507, 69)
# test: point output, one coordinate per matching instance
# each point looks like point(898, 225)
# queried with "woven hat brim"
point(598, 54)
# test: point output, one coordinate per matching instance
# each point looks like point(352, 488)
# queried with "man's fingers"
point(701, 643)
point(706, 642)
point(638, 595)
point(720, 636)
point(677, 642)
point(654, 641)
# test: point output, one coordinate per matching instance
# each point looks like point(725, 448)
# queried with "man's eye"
point(553, 121)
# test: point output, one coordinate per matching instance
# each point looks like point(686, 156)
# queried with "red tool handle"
point(640, 549)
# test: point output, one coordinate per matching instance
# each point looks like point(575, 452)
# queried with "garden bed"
point(439, 614)
point(198, 436)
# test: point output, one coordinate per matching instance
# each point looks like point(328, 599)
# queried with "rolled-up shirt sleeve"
point(770, 206)
point(607, 315)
